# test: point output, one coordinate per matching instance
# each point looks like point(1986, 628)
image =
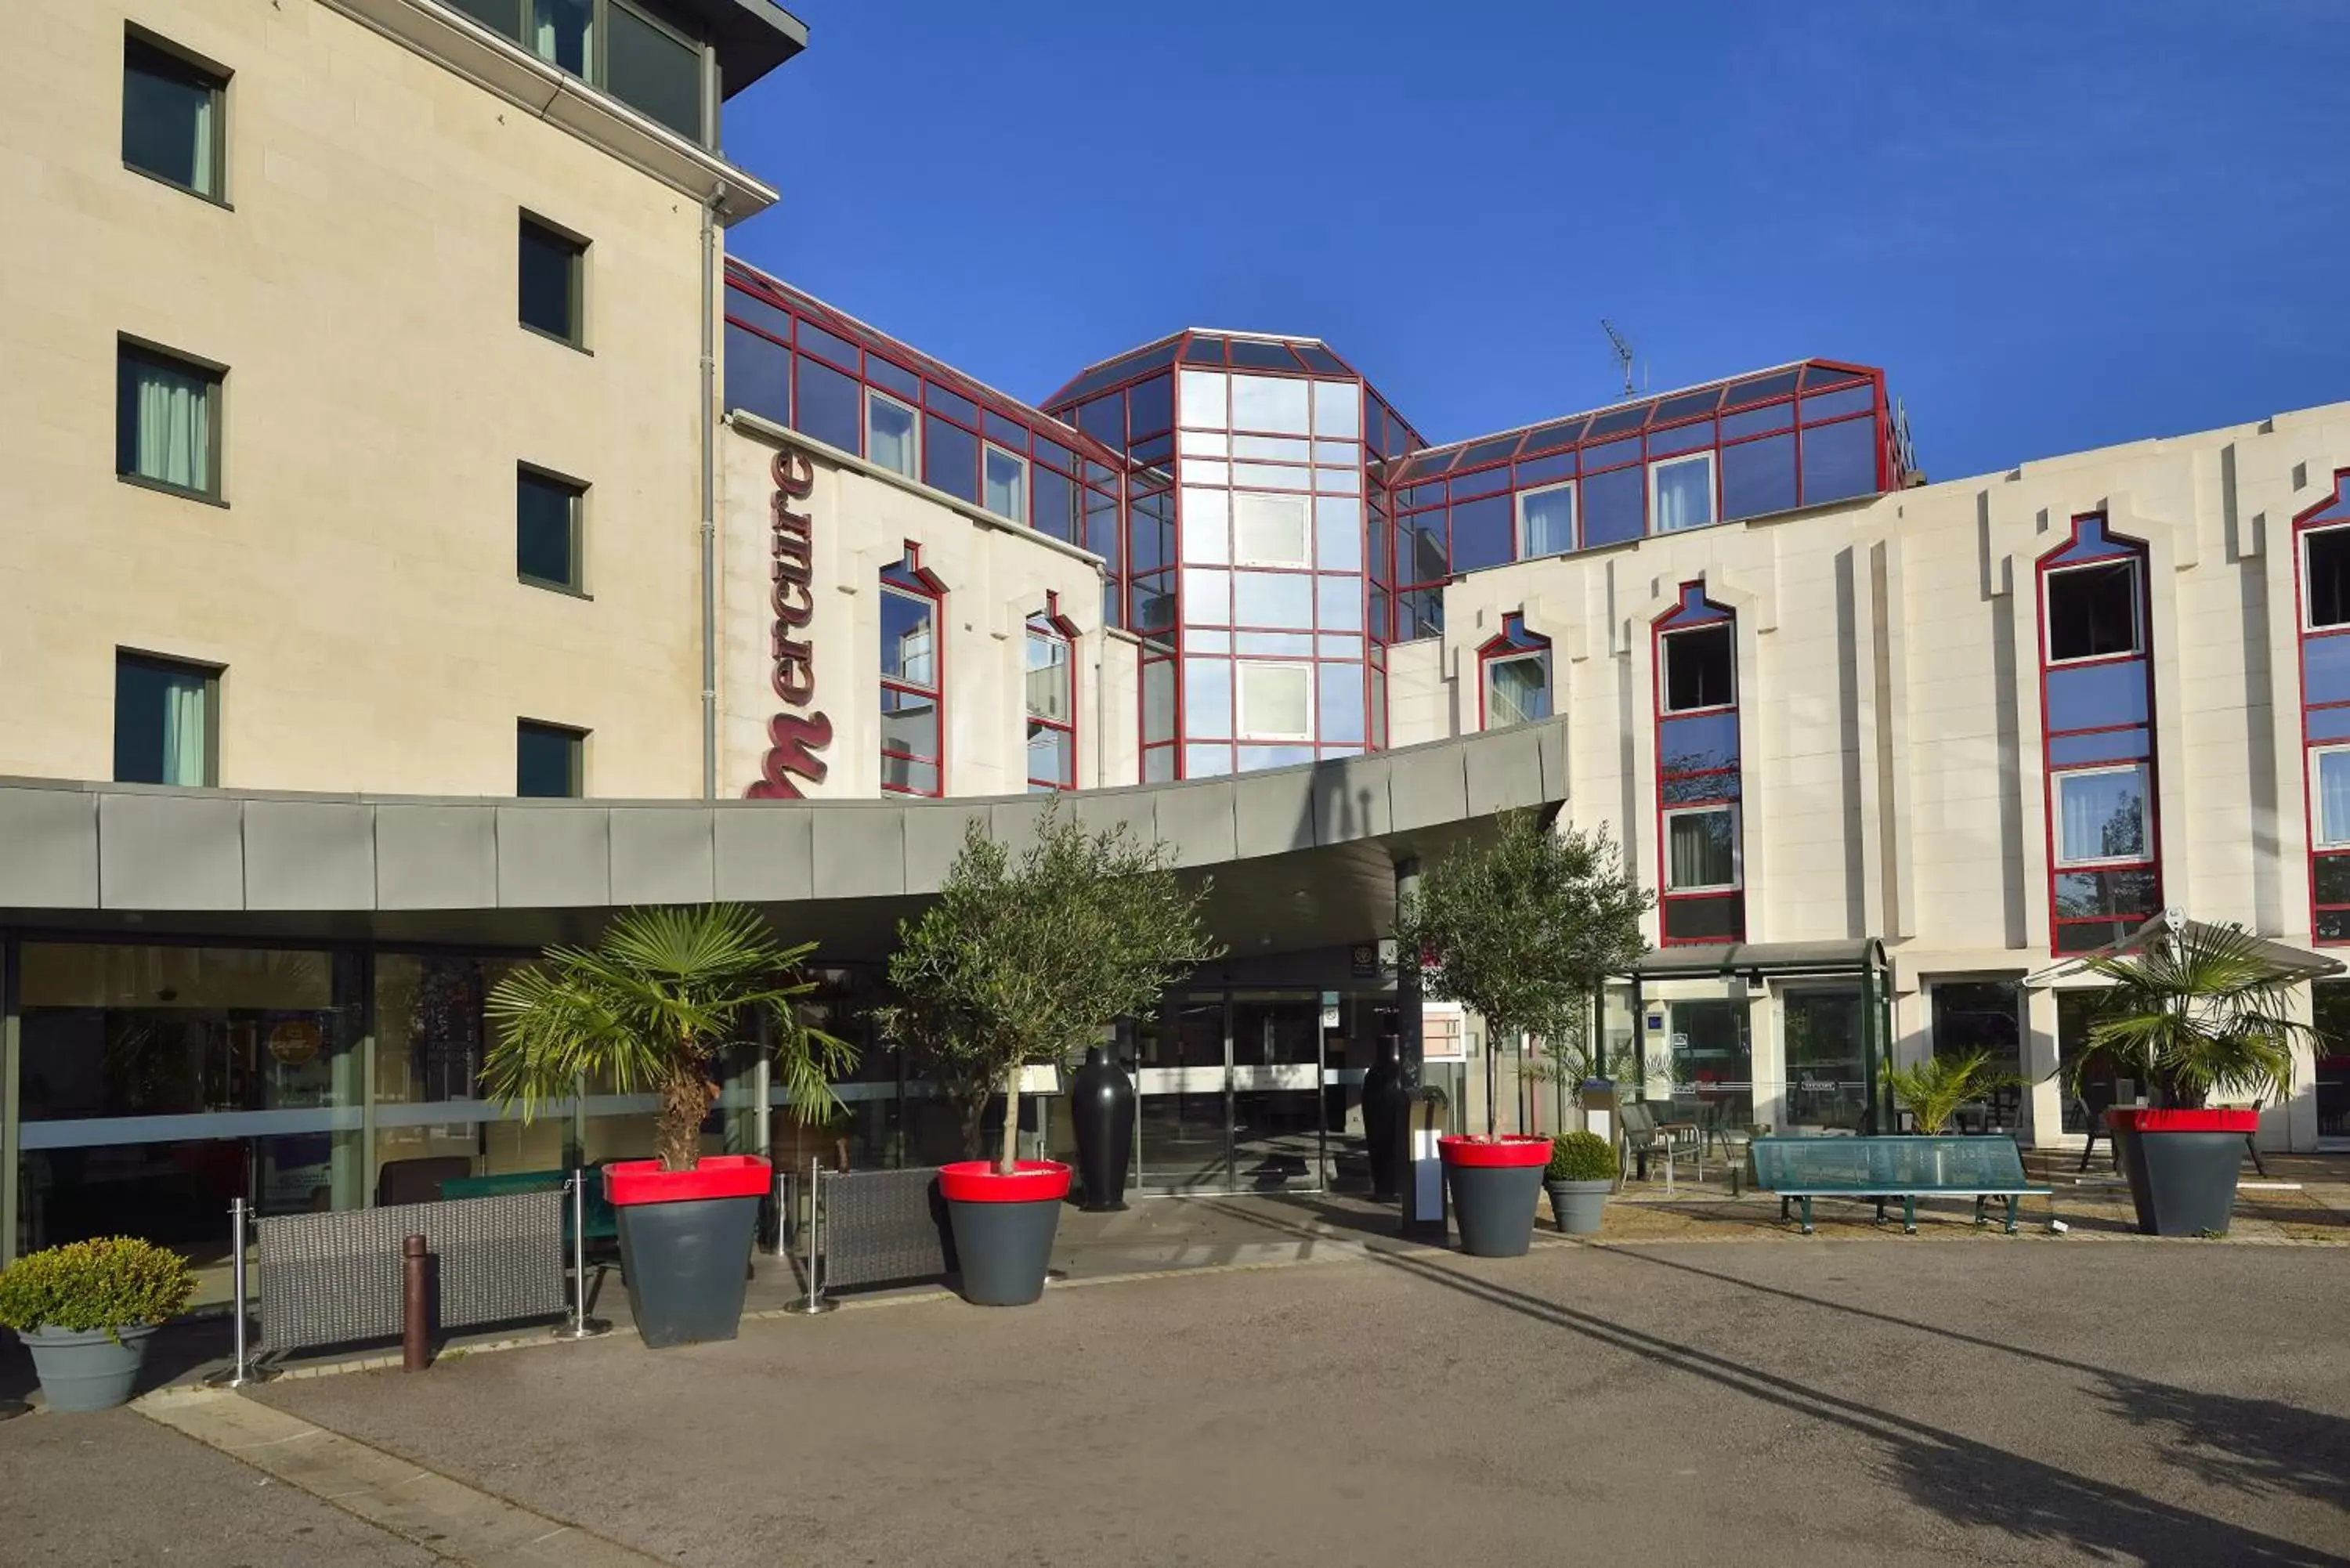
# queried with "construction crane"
point(1623, 351)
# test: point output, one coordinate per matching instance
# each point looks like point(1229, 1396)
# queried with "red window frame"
point(1713, 788)
point(2323, 725)
point(1051, 624)
point(1512, 642)
point(2104, 548)
point(911, 579)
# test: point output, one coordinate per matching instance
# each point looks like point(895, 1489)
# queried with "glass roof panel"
point(1427, 463)
point(1618, 422)
point(1487, 451)
point(1320, 360)
point(1762, 388)
point(1551, 438)
point(1689, 405)
point(1250, 354)
point(1204, 351)
point(1828, 376)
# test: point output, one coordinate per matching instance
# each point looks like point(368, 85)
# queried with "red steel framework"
point(1697, 780)
point(2324, 711)
point(2126, 891)
point(911, 578)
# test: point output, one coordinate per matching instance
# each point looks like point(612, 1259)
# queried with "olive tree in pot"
point(2201, 1010)
point(1025, 960)
point(1580, 1175)
point(87, 1310)
point(651, 1008)
point(1523, 930)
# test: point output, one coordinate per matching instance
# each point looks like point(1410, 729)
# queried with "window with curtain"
point(172, 120)
point(1517, 690)
point(164, 721)
point(563, 32)
point(2333, 797)
point(1546, 521)
point(1702, 849)
point(1006, 494)
point(1684, 493)
point(890, 438)
point(167, 421)
point(1276, 701)
point(2101, 815)
point(1051, 690)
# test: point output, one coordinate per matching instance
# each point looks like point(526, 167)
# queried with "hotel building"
point(481, 550)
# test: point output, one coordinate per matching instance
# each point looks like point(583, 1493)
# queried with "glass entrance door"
point(1230, 1094)
point(1827, 1060)
point(1183, 1112)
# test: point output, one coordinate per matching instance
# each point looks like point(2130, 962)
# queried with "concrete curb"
point(456, 1522)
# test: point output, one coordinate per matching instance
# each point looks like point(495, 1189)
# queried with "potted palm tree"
point(1523, 931)
point(1933, 1090)
point(1024, 960)
point(650, 1009)
point(2201, 1010)
point(1580, 1175)
point(87, 1310)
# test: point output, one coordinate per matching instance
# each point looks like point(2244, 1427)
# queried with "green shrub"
point(1581, 1157)
point(111, 1282)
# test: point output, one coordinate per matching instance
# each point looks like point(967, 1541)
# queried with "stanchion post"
point(415, 1306)
point(240, 1372)
point(814, 1302)
point(581, 1325)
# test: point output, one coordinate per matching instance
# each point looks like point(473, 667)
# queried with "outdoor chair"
point(1645, 1136)
point(418, 1180)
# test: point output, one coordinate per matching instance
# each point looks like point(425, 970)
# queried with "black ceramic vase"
point(1101, 1107)
point(1382, 1089)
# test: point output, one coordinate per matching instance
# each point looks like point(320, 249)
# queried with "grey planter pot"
point(87, 1370)
point(1578, 1205)
point(686, 1265)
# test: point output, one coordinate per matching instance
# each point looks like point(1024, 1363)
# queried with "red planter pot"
point(685, 1243)
point(2181, 1166)
point(1495, 1184)
point(1004, 1227)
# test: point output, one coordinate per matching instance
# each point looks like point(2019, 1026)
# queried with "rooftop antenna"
point(1623, 351)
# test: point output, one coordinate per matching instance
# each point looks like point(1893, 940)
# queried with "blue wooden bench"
point(1880, 1169)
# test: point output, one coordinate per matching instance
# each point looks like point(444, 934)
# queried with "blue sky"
point(2057, 226)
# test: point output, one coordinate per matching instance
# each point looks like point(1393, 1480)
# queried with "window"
point(1700, 670)
point(912, 733)
point(549, 761)
point(2101, 816)
point(2326, 566)
point(1269, 530)
point(1276, 701)
point(1682, 492)
point(2093, 611)
point(1702, 849)
point(892, 434)
point(654, 68)
point(1006, 493)
point(167, 421)
point(552, 269)
point(166, 721)
point(1051, 686)
point(548, 528)
point(2329, 796)
point(1517, 690)
point(174, 119)
point(1545, 522)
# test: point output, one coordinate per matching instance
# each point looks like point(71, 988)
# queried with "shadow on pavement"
point(2247, 1445)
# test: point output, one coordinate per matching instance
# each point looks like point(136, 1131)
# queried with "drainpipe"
point(709, 494)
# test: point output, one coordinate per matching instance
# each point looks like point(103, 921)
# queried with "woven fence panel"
point(335, 1278)
point(884, 1227)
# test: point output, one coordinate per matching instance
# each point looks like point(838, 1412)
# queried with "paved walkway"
point(1825, 1403)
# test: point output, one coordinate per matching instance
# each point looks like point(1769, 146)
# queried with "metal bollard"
point(241, 1372)
point(814, 1302)
point(581, 1325)
point(415, 1306)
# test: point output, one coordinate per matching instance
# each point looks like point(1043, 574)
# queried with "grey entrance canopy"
point(1860, 959)
point(2297, 963)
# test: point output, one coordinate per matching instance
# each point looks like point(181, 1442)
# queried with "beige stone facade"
point(358, 585)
